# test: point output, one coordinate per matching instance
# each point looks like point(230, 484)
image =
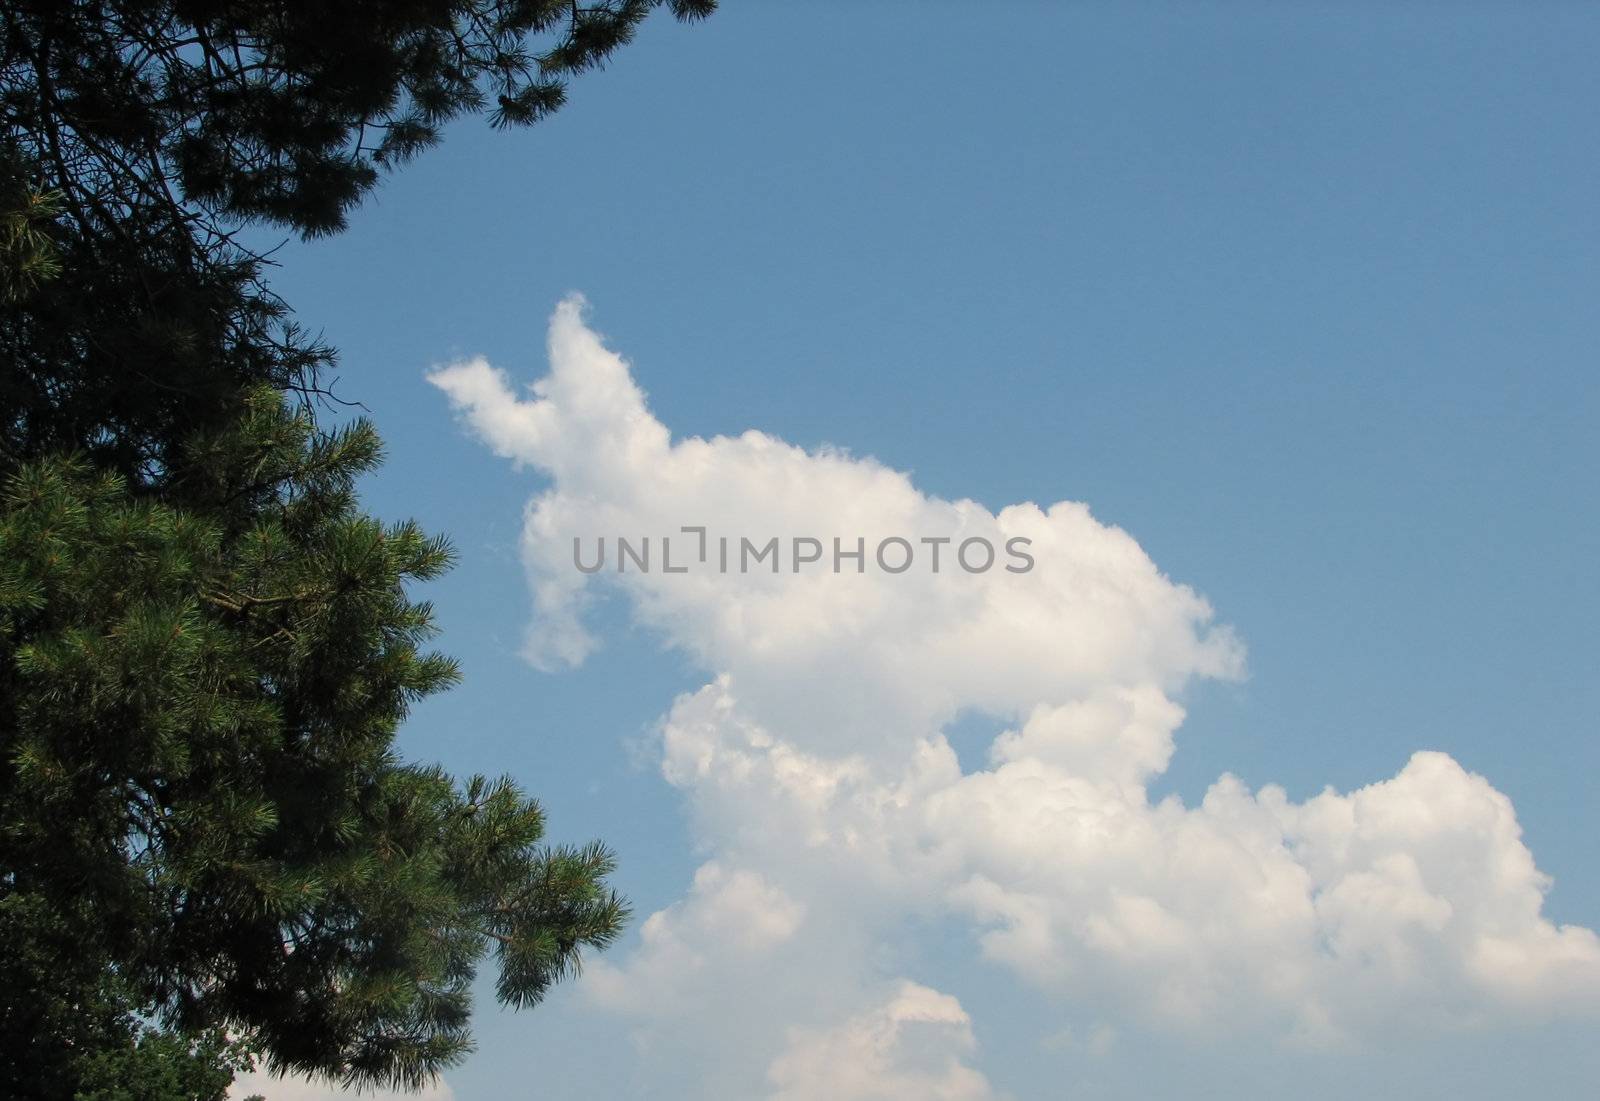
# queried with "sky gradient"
point(1299, 298)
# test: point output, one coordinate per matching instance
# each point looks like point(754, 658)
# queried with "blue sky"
point(1298, 296)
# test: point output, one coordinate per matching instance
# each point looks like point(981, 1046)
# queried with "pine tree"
point(200, 708)
point(158, 128)
point(208, 846)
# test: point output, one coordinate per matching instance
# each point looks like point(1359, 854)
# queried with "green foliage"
point(199, 706)
point(208, 847)
point(124, 337)
point(27, 255)
point(157, 129)
point(72, 1030)
point(154, 1065)
point(257, 109)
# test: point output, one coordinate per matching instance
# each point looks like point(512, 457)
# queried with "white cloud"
point(912, 1045)
point(907, 650)
point(817, 774)
point(729, 918)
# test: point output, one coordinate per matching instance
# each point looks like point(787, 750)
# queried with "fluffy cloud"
point(817, 772)
point(903, 653)
point(912, 1045)
point(730, 918)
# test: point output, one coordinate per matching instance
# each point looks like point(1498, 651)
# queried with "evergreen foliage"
point(209, 850)
point(160, 127)
point(199, 706)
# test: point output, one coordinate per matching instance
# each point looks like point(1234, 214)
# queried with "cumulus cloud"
point(817, 772)
point(911, 1045)
point(901, 649)
point(729, 919)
